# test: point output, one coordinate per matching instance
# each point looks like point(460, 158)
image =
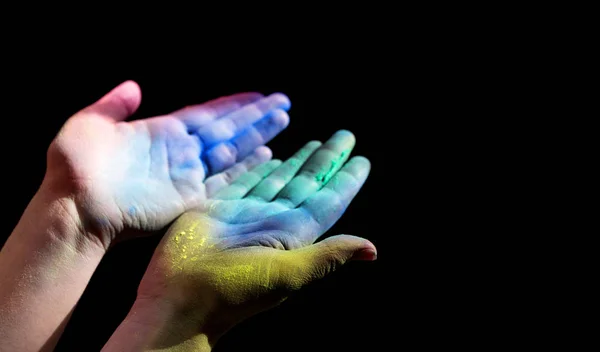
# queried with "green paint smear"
point(324, 177)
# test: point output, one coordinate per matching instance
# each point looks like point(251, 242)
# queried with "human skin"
point(108, 180)
point(246, 251)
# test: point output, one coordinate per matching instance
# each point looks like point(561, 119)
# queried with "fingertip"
point(364, 255)
point(281, 118)
point(275, 162)
point(130, 84)
point(362, 161)
point(313, 144)
point(282, 100)
point(353, 247)
point(263, 153)
point(120, 102)
point(131, 92)
point(370, 246)
point(359, 166)
point(341, 141)
point(345, 133)
point(365, 249)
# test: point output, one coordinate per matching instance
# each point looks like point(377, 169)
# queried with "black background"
point(447, 105)
point(435, 118)
point(357, 308)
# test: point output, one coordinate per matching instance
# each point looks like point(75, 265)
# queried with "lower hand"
point(246, 251)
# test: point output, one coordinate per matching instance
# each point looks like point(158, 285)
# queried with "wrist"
point(154, 323)
point(54, 216)
point(45, 266)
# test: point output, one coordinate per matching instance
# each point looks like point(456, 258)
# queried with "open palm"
point(244, 252)
point(140, 175)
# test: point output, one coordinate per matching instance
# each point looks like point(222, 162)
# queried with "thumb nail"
point(365, 254)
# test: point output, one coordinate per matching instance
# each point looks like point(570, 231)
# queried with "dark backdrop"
point(354, 309)
point(442, 107)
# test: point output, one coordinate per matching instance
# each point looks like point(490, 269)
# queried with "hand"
point(245, 252)
point(140, 175)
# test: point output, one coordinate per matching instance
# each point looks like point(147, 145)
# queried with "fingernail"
point(365, 254)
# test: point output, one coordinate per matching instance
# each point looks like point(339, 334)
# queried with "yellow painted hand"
point(247, 251)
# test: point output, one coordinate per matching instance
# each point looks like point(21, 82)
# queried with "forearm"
point(45, 266)
point(155, 325)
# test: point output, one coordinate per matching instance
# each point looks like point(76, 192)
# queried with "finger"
point(260, 133)
point(226, 154)
point(229, 126)
point(196, 116)
point(118, 104)
point(268, 188)
point(216, 182)
point(318, 260)
point(338, 250)
point(244, 183)
point(317, 171)
point(327, 205)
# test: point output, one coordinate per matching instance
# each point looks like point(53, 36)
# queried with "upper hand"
point(140, 175)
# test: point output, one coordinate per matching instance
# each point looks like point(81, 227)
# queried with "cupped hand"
point(246, 251)
point(141, 175)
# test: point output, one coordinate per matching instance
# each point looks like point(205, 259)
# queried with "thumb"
point(119, 103)
point(328, 255)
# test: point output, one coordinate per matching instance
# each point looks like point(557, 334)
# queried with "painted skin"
point(106, 180)
point(140, 175)
point(245, 252)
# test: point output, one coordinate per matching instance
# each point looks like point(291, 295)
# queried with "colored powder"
point(193, 248)
point(187, 245)
point(324, 177)
point(238, 272)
